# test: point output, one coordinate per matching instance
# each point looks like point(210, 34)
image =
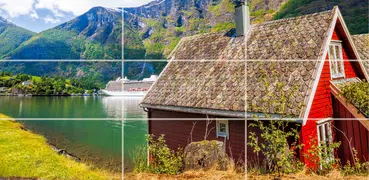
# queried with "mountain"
point(355, 12)
point(96, 34)
point(93, 35)
point(96, 72)
point(11, 36)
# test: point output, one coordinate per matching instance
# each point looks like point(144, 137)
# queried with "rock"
point(205, 154)
point(65, 153)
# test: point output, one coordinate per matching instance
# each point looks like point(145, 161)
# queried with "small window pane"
point(336, 61)
point(222, 128)
point(327, 132)
point(332, 58)
point(339, 60)
point(321, 133)
point(331, 52)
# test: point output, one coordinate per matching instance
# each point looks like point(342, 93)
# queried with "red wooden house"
point(228, 77)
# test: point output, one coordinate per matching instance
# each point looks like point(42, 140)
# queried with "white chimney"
point(242, 15)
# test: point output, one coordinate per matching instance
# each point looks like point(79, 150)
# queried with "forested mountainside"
point(11, 36)
point(96, 34)
point(153, 30)
point(89, 72)
point(355, 12)
point(93, 35)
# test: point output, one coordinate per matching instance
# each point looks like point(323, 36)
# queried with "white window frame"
point(222, 134)
point(336, 60)
point(322, 124)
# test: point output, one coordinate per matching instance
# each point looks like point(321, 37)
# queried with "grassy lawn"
point(5, 77)
point(24, 154)
point(36, 78)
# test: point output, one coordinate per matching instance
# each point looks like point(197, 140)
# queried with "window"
point(222, 128)
point(336, 60)
point(325, 138)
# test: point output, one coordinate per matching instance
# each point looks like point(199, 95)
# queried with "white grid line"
point(173, 60)
point(122, 75)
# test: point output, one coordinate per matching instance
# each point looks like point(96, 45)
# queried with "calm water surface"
point(135, 129)
point(98, 141)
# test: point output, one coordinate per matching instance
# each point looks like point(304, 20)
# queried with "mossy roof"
point(210, 71)
point(362, 45)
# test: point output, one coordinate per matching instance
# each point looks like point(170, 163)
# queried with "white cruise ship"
point(129, 88)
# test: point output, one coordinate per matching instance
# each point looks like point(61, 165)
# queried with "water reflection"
point(132, 109)
point(113, 105)
point(61, 107)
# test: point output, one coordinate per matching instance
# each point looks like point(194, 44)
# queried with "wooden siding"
point(177, 132)
point(354, 131)
point(322, 103)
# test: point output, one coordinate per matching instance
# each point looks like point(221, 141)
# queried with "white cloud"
point(49, 19)
point(26, 7)
point(16, 8)
point(78, 7)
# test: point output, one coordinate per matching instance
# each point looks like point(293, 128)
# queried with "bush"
point(162, 159)
point(358, 168)
point(139, 159)
point(273, 144)
point(323, 156)
point(358, 94)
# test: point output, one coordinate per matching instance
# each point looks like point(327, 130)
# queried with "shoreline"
point(28, 155)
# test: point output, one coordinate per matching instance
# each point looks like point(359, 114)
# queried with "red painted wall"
point(322, 103)
point(351, 134)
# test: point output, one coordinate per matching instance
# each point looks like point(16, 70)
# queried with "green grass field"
point(27, 155)
point(36, 78)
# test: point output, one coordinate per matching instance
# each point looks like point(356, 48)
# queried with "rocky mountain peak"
point(97, 24)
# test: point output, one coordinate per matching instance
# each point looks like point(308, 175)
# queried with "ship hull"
point(124, 93)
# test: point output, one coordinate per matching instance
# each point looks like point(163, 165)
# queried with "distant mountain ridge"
point(11, 36)
point(96, 34)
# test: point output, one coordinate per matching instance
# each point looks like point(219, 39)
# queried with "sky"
point(39, 15)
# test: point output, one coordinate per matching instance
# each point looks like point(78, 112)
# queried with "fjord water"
point(135, 129)
point(94, 133)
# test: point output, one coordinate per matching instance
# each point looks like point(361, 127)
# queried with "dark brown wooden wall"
point(177, 132)
point(354, 131)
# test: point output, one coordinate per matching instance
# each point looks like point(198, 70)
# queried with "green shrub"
point(358, 168)
point(273, 144)
point(162, 159)
point(358, 94)
point(322, 155)
point(139, 159)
